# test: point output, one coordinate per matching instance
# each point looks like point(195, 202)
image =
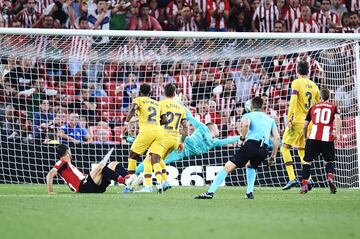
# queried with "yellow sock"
point(131, 166)
point(157, 171)
point(301, 153)
point(285, 152)
point(147, 173)
point(163, 168)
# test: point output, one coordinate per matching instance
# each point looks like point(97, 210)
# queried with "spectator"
point(346, 96)
point(264, 17)
point(202, 89)
point(52, 138)
point(346, 23)
point(130, 91)
point(144, 21)
point(279, 26)
point(11, 126)
point(325, 18)
point(28, 16)
point(118, 19)
point(241, 23)
point(186, 22)
point(244, 82)
point(42, 121)
point(283, 9)
point(292, 14)
point(338, 8)
point(6, 16)
point(46, 21)
point(219, 14)
point(305, 23)
point(72, 131)
point(87, 105)
point(239, 7)
point(354, 19)
point(173, 11)
point(215, 117)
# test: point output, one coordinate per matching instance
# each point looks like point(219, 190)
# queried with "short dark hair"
point(303, 68)
point(324, 93)
point(257, 102)
point(145, 89)
point(170, 90)
point(61, 150)
point(83, 18)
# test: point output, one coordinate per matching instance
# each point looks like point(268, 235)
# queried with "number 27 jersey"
point(148, 112)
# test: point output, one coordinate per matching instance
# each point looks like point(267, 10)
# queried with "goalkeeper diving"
point(204, 138)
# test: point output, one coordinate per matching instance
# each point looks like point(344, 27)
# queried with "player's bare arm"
point(132, 112)
point(244, 130)
point(61, 134)
point(305, 128)
point(337, 126)
point(50, 179)
point(276, 142)
point(293, 100)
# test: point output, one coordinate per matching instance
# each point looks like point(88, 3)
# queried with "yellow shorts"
point(152, 140)
point(294, 136)
point(171, 143)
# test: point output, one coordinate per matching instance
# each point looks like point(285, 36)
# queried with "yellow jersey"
point(307, 95)
point(175, 113)
point(148, 112)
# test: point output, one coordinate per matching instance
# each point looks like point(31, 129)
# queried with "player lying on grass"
point(257, 127)
point(321, 140)
point(304, 93)
point(201, 141)
point(96, 182)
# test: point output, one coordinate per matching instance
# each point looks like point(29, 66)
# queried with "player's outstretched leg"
point(286, 155)
point(305, 177)
point(219, 179)
point(147, 175)
point(250, 180)
point(329, 169)
point(165, 184)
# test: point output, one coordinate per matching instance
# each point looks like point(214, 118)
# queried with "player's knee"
point(229, 167)
point(155, 158)
point(134, 155)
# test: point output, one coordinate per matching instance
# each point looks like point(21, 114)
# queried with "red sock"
point(120, 180)
point(304, 182)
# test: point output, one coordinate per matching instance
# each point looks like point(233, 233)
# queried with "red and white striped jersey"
point(189, 26)
point(28, 19)
point(183, 82)
point(355, 5)
point(80, 47)
point(41, 5)
point(202, 5)
point(173, 9)
point(133, 52)
point(309, 26)
point(70, 174)
point(320, 18)
point(290, 17)
point(266, 17)
point(218, 22)
point(322, 115)
point(6, 20)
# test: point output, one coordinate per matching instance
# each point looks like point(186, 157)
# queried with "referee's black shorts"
point(89, 186)
point(314, 148)
point(250, 151)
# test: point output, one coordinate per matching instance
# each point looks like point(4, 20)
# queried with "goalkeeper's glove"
point(178, 98)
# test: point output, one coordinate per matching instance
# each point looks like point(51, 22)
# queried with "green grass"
point(26, 211)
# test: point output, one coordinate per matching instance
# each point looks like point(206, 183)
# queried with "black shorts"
point(314, 148)
point(89, 186)
point(250, 151)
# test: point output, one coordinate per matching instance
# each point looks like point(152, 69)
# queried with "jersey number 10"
point(322, 115)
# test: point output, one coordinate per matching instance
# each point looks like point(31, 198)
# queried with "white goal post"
point(55, 80)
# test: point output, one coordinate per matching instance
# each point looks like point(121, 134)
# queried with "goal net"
point(65, 86)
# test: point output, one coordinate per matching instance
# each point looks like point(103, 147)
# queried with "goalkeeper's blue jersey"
point(201, 140)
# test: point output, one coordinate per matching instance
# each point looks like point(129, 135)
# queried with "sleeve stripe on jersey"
point(62, 168)
point(294, 92)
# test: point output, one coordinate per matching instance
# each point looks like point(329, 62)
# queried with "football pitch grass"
point(26, 211)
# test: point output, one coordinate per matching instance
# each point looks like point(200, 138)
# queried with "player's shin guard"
point(219, 179)
point(250, 179)
point(147, 173)
point(163, 171)
point(131, 166)
point(285, 152)
point(306, 171)
point(158, 172)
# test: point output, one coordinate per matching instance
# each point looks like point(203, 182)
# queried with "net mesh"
point(53, 87)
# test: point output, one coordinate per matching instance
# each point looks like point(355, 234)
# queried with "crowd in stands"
point(81, 100)
point(185, 15)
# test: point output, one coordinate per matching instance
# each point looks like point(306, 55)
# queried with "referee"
point(255, 133)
